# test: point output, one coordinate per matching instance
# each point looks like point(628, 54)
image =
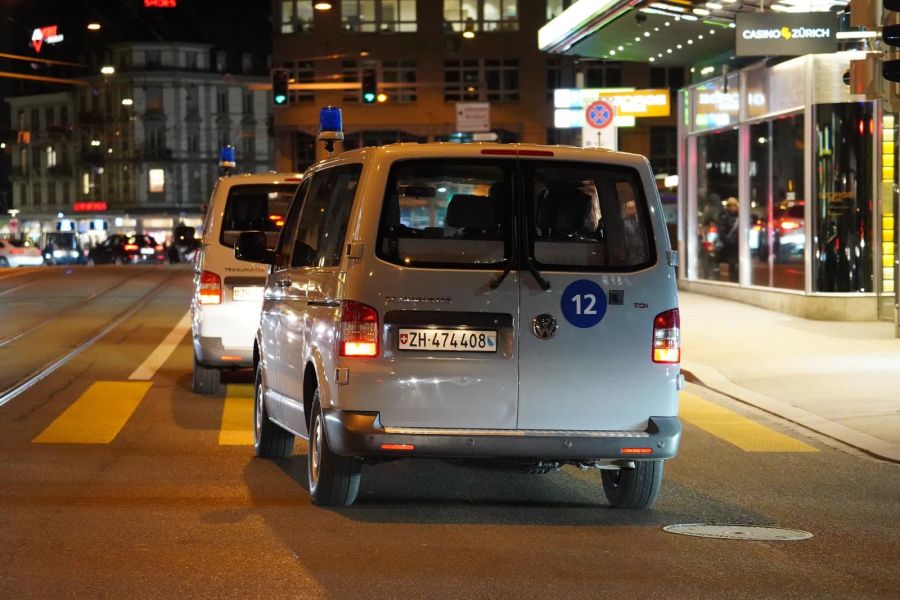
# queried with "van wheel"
point(269, 440)
point(206, 380)
point(633, 488)
point(333, 479)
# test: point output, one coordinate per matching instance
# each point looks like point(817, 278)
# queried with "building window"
point(48, 115)
point(154, 98)
point(157, 180)
point(222, 101)
point(667, 77)
point(51, 193)
point(296, 16)
point(555, 8)
point(51, 157)
point(378, 15)
point(154, 59)
point(602, 74)
point(193, 139)
point(36, 158)
point(246, 63)
point(23, 195)
point(717, 206)
point(20, 121)
point(247, 103)
point(301, 72)
point(221, 61)
point(560, 74)
point(63, 115)
point(156, 138)
point(36, 194)
point(494, 80)
point(481, 15)
point(664, 150)
point(248, 147)
point(35, 119)
point(191, 60)
point(400, 75)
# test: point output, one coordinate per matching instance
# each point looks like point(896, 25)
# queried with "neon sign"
point(160, 3)
point(96, 206)
point(45, 35)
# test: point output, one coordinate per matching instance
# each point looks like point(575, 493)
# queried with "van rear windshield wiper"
point(495, 283)
point(545, 285)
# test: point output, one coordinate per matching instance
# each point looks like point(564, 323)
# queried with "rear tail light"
point(667, 337)
point(158, 247)
point(16, 251)
point(210, 288)
point(130, 247)
point(359, 330)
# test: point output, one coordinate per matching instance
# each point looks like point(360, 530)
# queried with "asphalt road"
point(174, 504)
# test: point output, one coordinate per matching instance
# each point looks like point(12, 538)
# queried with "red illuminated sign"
point(159, 3)
point(45, 35)
point(95, 206)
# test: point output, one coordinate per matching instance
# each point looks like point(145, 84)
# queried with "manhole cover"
point(739, 532)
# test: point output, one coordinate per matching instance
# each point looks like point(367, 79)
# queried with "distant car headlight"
point(59, 253)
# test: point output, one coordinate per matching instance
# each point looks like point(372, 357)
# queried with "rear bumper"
point(211, 352)
point(361, 434)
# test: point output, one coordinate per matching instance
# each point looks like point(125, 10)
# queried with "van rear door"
point(585, 343)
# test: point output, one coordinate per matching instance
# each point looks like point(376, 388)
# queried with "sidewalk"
point(840, 379)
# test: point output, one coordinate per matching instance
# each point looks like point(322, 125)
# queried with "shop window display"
point(717, 206)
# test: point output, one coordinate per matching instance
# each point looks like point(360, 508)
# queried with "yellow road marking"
point(98, 415)
point(736, 429)
point(237, 417)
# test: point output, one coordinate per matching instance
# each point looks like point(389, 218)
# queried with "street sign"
point(599, 114)
point(473, 117)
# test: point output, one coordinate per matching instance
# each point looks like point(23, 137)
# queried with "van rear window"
point(453, 213)
point(588, 216)
point(256, 207)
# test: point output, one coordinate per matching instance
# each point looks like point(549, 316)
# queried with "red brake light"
point(158, 247)
point(210, 288)
point(667, 337)
point(359, 330)
point(789, 225)
point(516, 152)
point(130, 247)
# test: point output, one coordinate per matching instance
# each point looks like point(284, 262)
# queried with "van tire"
point(207, 381)
point(269, 440)
point(633, 488)
point(333, 479)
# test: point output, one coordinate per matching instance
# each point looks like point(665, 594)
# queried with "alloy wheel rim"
point(257, 430)
point(316, 450)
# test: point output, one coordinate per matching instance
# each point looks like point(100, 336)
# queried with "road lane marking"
point(98, 415)
point(237, 416)
point(162, 352)
point(746, 434)
point(18, 287)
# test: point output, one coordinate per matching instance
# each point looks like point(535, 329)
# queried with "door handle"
point(283, 283)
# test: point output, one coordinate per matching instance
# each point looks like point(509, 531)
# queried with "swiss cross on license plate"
point(448, 340)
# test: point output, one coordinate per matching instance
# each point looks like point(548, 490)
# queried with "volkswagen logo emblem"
point(544, 326)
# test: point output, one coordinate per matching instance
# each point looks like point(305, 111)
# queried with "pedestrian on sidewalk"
point(728, 238)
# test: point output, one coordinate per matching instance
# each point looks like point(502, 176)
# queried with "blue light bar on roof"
point(331, 126)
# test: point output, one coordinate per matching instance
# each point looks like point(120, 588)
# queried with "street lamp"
point(107, 70)
point(93, 26)
point(127, 101)
point(322, 6)
point(469, 30)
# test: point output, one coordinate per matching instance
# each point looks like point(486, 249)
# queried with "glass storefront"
point(845, 196)
point(717, 192)
point(776, 232)
point(788, 182)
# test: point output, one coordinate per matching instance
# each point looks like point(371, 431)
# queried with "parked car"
point(185, 244)
point(505, 303)
point(228, 293)
point(123, 249)
point(19, 253)
point(62, 248)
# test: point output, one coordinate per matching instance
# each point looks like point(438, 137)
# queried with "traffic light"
point(280, 95)
point(369, 86)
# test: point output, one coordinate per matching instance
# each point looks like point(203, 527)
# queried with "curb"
point(712, 379)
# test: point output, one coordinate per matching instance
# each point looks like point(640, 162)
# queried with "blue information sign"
point(583, 303)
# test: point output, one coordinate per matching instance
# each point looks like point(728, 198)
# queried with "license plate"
point(448, 340)
point(146, 250)
point(247, 293)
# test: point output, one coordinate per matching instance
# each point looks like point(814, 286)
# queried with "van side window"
point(289, 231)
point(323, 219)
point(587, 215)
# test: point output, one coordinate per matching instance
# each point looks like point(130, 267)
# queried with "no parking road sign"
point(599, 114)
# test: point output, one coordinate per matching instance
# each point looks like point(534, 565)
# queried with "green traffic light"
point(280, 99)
point(369, 97)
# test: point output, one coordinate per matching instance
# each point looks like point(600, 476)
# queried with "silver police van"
point(510, 303)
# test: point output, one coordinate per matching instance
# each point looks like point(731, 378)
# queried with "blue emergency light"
point(330, 123)
point(226, 157)
point(331, 129)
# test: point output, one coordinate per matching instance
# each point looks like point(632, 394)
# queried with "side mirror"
point(250, 246)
